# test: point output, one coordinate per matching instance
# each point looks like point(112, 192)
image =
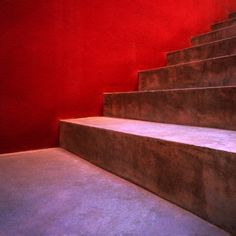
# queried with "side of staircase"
point(176, 136)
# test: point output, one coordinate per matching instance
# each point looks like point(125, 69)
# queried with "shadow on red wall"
point(57, 57)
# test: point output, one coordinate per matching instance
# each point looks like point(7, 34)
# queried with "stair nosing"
point(186, 63)
point(173, 89)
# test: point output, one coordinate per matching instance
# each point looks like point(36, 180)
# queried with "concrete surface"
point(223, 140)
point(214, 49)
point(223, 24)
point(53, 192)
point(220, 71)
point(190, 166)
point(223, 33)
point(207, 107)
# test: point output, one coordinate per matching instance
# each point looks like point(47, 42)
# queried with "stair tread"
point(210, 32)
point(229, 28)
point(224, 23)
point(218, 139)
point(188, 63)
point(217, 71)
point(201, 45)
point(212, 107)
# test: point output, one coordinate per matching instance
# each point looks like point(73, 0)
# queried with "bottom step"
point(190, 166)
point(53, 192)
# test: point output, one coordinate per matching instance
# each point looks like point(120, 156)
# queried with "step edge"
point(173, 90)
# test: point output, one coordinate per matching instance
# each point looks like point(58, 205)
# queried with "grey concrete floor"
point(53, 192)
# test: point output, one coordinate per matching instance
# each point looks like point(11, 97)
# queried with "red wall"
point(57, 57)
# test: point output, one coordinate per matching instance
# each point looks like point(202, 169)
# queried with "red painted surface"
point(57, 57)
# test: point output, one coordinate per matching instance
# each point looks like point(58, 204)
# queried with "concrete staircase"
point(176, 136)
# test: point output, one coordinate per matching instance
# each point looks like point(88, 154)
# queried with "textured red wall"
point(57, 57)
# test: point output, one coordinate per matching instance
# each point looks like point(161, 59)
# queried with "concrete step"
point(190, 166)
point(205, 51)
point(62, 194)
point(218, 71)
point(206, 107)
point(223, 33)
point(223, 24)
point(232, 15)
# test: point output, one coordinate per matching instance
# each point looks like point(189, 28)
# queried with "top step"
point(232, 15)
point(223, 24)
point(212, 36)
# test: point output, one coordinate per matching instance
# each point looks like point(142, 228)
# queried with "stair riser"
point(223, 24)
point(217, 49)
point(212, 72)
point(214, 36)
point(195, 178)
point(205, 107)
